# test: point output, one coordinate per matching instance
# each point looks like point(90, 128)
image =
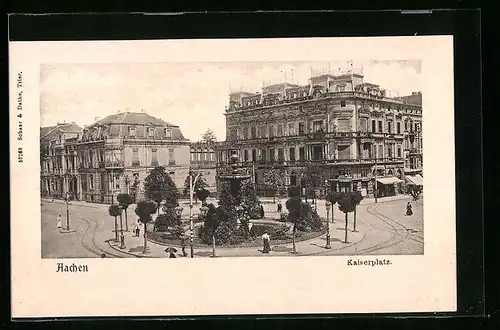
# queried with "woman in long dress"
point(409, 211)
point(267, 246)
point(59, 221)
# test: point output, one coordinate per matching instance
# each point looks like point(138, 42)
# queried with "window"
point(254, 132)
point(263, 132)
point(281, 155)
point(233, 134)
point(301, 129)
point(254, 155)
point(246, 133)
point(131, 131)
point(362, 124)
point(317, 125)
point(292, 154)
point(398, 128)
point(411, 127)
point(168, 133)
point(343, 125)
point(380, 153)
point(91, 181)
point(389, 150)
point(389, 127)
point(343, 152)
point(151, 132)
point(171, 157)
point(279, 130)
point(135, 157)
point(399, 151)
point(291, 129)
point(271, 131)
point(294, 95)
point(154, 156)
point(245, 155)
point(302, 153)
point(380, 128)
point(406, 126)
point(263, 155)
point(373, 126)
point(271, 155)
point(342, 103)
point(389, 107)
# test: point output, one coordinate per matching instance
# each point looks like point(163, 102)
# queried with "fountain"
point(235, 177)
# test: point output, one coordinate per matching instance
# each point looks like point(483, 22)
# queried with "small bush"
point(279, 233)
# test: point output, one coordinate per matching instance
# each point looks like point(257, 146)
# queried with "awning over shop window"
point(415, 179)
point(389, 180)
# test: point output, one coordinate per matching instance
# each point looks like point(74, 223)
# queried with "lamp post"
point(122, 237)
point(67, 211)
point(328, 205)
point(192, 184)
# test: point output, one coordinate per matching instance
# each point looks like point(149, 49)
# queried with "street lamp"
point(192, 184)
point(328, 205)
point(122, 237)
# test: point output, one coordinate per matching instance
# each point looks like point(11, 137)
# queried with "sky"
point(191, 95)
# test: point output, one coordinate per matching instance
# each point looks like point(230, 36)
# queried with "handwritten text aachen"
point(372, 262)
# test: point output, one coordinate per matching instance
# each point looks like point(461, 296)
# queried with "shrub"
point(309, 219)
point(283, 216)
point(279, 232)
point(166, 220)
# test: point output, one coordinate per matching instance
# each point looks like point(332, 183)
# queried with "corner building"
point(352, 130)
point(116, 153)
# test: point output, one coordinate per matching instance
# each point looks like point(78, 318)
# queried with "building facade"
point(58, 161)
point(203, 159)
point(114, 155)
point(350, 129)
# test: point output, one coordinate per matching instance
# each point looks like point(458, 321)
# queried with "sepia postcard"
point(286, 176)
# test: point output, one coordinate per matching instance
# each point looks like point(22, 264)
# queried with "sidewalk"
point(308, 247)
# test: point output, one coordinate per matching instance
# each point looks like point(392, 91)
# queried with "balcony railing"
point(302, 163)
point(310, 136)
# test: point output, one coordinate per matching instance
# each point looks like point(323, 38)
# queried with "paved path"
point(381, 228)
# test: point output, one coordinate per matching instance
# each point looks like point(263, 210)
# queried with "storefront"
point(414, 181)
point(388, 186)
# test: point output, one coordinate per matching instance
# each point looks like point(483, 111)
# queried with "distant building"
point(203, 158)
point(352, 130)
point(114, 155)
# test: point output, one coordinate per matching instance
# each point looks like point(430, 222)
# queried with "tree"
point(225, 195)
point(415, 192)
point(124, 200)
point(346, 204)
point(294, 207)
point(357, 198)
point(209, 137)
point(201, 183)
point(333, 197)
point(144, 210)
point(249, 200)
point(158, 186)
point(202, 195)
point(211, 224)
point(114, 211)
point(274, 179)
point(312, 179)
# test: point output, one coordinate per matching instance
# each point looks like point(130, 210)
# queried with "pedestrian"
point(262, 211)
point(59, 221)
point(183, 245)
point(265, 240)
point(280, 206)
point(137, 228)
point(103, 255)
point(172, 255)
point(408, 209)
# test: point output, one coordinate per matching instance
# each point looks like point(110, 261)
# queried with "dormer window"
point(151, 132)
point(131, 131)
point(168, 133)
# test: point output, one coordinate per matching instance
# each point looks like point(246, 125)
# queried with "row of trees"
point(347, 203)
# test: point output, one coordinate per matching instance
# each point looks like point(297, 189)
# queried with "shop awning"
point(415, 179)
point(389, 180)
